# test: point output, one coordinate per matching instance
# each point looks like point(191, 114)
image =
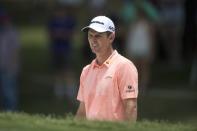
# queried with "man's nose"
point(94, 39)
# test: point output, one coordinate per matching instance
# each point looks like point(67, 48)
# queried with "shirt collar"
point(108, 62)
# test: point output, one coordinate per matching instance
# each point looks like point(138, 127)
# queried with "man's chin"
point(95, 51)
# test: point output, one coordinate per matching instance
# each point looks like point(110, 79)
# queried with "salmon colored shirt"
point(103, 88)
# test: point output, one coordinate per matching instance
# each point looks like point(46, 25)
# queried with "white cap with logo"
point(101, 24)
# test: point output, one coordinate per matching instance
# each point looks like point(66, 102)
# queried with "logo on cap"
point(98, 22)
point(111, 28)
point(101, 24)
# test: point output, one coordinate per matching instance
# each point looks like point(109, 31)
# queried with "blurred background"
point(42, 53)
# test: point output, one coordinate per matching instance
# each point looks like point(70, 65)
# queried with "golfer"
point(109, 84)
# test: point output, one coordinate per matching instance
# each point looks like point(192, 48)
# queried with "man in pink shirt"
point(109, 85)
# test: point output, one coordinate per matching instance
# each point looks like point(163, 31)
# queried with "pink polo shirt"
point(103, 88)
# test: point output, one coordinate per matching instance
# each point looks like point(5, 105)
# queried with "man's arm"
point(130, 106)
point(81, 113)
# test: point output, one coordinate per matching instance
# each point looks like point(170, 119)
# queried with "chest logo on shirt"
point(108, 77)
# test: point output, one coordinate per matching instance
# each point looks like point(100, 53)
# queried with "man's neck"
point(101, 58)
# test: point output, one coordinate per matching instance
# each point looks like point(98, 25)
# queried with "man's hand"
point(81, 113)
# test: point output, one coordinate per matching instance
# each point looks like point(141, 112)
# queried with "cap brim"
point(97, 29)
point(85, 29)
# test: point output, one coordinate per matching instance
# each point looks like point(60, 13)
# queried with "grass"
point(26, 122)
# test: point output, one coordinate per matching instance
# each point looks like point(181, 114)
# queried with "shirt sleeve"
point(128, 81)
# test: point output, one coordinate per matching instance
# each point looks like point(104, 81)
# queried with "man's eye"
point(98, 36)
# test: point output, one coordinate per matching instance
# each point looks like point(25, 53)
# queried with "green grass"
point(26, 122)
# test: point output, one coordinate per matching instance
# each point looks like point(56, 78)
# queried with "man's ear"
point(112, 36)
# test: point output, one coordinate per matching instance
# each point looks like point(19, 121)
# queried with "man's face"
point(99, 42)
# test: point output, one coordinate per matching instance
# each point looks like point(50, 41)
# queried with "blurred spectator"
point(129, 15)
point(140, 46)
point(171, 29)
point(61, 28)
point(97, 7)
point(9, 63)
point(129, 10)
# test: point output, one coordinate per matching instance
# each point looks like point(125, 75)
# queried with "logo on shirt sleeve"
point(130, 89)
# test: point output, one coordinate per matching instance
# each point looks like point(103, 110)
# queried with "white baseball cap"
point(100, 24)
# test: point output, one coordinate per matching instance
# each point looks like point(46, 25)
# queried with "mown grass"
point(27, 122)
